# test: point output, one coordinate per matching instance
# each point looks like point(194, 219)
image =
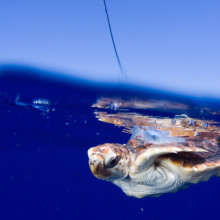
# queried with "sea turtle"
point(162, 155)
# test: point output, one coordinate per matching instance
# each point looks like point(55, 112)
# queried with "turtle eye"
point(113, 163)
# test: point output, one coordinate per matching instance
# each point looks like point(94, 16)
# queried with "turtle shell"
point(197, 139)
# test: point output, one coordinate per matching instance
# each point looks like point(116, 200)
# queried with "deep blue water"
point(44, 172)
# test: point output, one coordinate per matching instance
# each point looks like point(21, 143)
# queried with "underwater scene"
point(74, 149)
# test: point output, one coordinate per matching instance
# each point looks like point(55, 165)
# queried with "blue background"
point(44, 173)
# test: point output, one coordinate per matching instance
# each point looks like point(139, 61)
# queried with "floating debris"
point(205, 125)
point(18, 102)
point(114, 105)
point(40, 103)
point(173, 121)
point(191, 122)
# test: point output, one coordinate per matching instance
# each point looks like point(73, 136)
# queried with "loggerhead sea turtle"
point(157, 159)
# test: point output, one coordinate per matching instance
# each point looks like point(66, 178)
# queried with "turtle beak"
point(95, 166)
point(95, 162)
point(92, 168)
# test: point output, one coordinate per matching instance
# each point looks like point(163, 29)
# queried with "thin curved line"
point(113, 42)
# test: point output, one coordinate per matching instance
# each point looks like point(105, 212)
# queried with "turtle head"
point(109, 161)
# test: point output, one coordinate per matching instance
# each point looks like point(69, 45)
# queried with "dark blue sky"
point(170, 44)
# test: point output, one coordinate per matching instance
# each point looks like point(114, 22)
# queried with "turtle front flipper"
point(149, 156)
point(151, 174)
